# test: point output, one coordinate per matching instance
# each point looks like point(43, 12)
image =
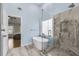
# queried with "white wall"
point(30, 26)
point(30, 16)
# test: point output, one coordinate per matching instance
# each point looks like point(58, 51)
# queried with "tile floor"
point(23, 51)
point(32, 51)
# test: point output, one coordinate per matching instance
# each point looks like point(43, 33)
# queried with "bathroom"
point(32, 25)
point(37, 25)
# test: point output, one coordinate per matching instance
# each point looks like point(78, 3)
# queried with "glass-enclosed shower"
point(46, 32)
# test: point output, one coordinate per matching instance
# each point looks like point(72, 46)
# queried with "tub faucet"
point(43, 35)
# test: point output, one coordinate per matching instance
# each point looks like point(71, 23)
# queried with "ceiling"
point(34, 9)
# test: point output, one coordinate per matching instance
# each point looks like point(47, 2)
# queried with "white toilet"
point(40, 42)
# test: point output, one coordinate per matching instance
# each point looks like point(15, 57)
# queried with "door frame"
point(4, 36)
point(20, 25)
point(1, 15)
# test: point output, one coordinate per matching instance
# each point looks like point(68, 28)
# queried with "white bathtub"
point(40, 42)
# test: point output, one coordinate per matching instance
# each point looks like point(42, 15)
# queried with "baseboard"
point(26, 44)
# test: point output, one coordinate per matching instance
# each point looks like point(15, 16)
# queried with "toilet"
point(40, 42)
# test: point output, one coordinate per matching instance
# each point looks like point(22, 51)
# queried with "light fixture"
point(71, 5)
point(19, 8)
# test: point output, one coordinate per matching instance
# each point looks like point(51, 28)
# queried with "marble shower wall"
point(66, 29)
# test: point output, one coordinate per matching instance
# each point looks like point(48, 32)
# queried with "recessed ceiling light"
point(19, 8)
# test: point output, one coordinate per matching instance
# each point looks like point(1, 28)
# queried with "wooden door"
point(17, 40)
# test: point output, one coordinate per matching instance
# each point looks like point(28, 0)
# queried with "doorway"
point(14, 32)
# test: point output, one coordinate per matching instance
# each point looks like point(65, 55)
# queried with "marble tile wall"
point(66, 29)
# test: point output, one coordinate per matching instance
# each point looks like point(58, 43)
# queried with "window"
point(47, 27)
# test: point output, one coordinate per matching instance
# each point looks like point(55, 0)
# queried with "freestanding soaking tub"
point(40, 43)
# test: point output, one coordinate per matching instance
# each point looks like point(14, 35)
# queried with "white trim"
point(15, 16)
point(1, 15)
point(27, 44)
